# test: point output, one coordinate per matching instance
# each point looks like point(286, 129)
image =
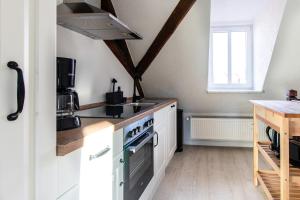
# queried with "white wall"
point(96, 66)
point(265, 30)
point(180, 70)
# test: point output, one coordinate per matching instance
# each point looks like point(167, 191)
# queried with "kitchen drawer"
point(99, 140)
point(68, 171)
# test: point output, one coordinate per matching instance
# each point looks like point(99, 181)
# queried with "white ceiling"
point(224, 11)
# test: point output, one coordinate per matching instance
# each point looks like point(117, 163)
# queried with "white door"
point(14, 142)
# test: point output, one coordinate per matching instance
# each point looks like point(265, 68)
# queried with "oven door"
point(138, 166)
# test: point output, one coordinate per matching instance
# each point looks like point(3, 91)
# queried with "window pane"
point(220, 58)
point(239, 57)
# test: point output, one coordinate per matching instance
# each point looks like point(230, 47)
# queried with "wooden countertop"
point(287, 109)
point(71, 140)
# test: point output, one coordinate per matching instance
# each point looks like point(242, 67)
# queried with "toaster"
point(294, 146)
point(295, 152)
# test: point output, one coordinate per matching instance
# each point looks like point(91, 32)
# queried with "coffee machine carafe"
point(67, 97)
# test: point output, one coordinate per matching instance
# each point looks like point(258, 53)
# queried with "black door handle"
point(20, 91)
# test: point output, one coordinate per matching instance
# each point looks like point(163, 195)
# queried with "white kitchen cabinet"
point(159, 149)
point(68, 171)
point(172, 132)
point(101, 162)
point(118, 142)
point(96, 174)
point(96, 169)
point(118, 177)
point(165, 124)
point(165, 127)
point(72, 194)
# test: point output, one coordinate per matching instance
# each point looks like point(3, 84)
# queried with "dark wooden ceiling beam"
point(120, 49)
point(108, 6)
point(121, 52)
point(164, 35)
point(140, 89)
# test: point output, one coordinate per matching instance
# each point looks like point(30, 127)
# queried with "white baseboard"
point(219, 143)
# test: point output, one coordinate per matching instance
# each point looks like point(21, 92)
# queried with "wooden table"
point(283, 181)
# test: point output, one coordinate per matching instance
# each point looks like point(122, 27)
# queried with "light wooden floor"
point(209, 173)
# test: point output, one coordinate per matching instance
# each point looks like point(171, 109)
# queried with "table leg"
point(284, 160)
point(255, 147)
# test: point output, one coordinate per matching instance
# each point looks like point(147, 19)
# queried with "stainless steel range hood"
point(87, 17)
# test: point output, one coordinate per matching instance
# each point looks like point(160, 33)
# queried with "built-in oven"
point(138, 155)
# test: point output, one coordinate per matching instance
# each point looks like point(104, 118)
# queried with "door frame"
point(45, 99)
point(42, 99)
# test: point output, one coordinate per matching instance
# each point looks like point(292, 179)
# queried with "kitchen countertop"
point(71, 140)
point(288, 109)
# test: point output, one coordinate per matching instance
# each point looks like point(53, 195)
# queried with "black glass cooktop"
point(118, 112)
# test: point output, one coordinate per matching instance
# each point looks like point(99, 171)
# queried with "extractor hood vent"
point(87, 17)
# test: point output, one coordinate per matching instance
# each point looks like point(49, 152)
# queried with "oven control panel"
point(137, 128)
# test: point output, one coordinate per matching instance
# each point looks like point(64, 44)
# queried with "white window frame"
point(230, 86)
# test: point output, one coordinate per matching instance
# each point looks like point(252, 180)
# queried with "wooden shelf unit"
point(270, 157)
point(270, 183)
point(283, 182)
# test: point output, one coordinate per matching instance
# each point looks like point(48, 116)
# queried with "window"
point(230, 65)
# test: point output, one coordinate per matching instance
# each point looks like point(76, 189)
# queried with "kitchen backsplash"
point(96, 66)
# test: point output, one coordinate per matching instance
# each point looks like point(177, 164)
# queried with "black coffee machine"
point(67, 97)
point(275, 141)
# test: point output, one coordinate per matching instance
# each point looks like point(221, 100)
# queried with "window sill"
point(215, 91)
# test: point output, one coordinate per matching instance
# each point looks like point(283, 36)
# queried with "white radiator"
point(224, 128)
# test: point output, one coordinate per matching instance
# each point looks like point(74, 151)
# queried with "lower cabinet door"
point(173, 128)
point(72, 194)
point(159, 149)
point(68, 168)
point(172, 132)
point(96, 174)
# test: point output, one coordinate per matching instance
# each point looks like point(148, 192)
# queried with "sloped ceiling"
point(180, 70)
point(244, 10)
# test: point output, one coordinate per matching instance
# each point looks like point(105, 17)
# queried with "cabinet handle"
point(99, 154)
point(121, 183)
point(156, 139)
point(121, 160)
point(20, 91)
point(173, 106)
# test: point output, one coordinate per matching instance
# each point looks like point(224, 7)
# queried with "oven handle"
point(134, 149)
